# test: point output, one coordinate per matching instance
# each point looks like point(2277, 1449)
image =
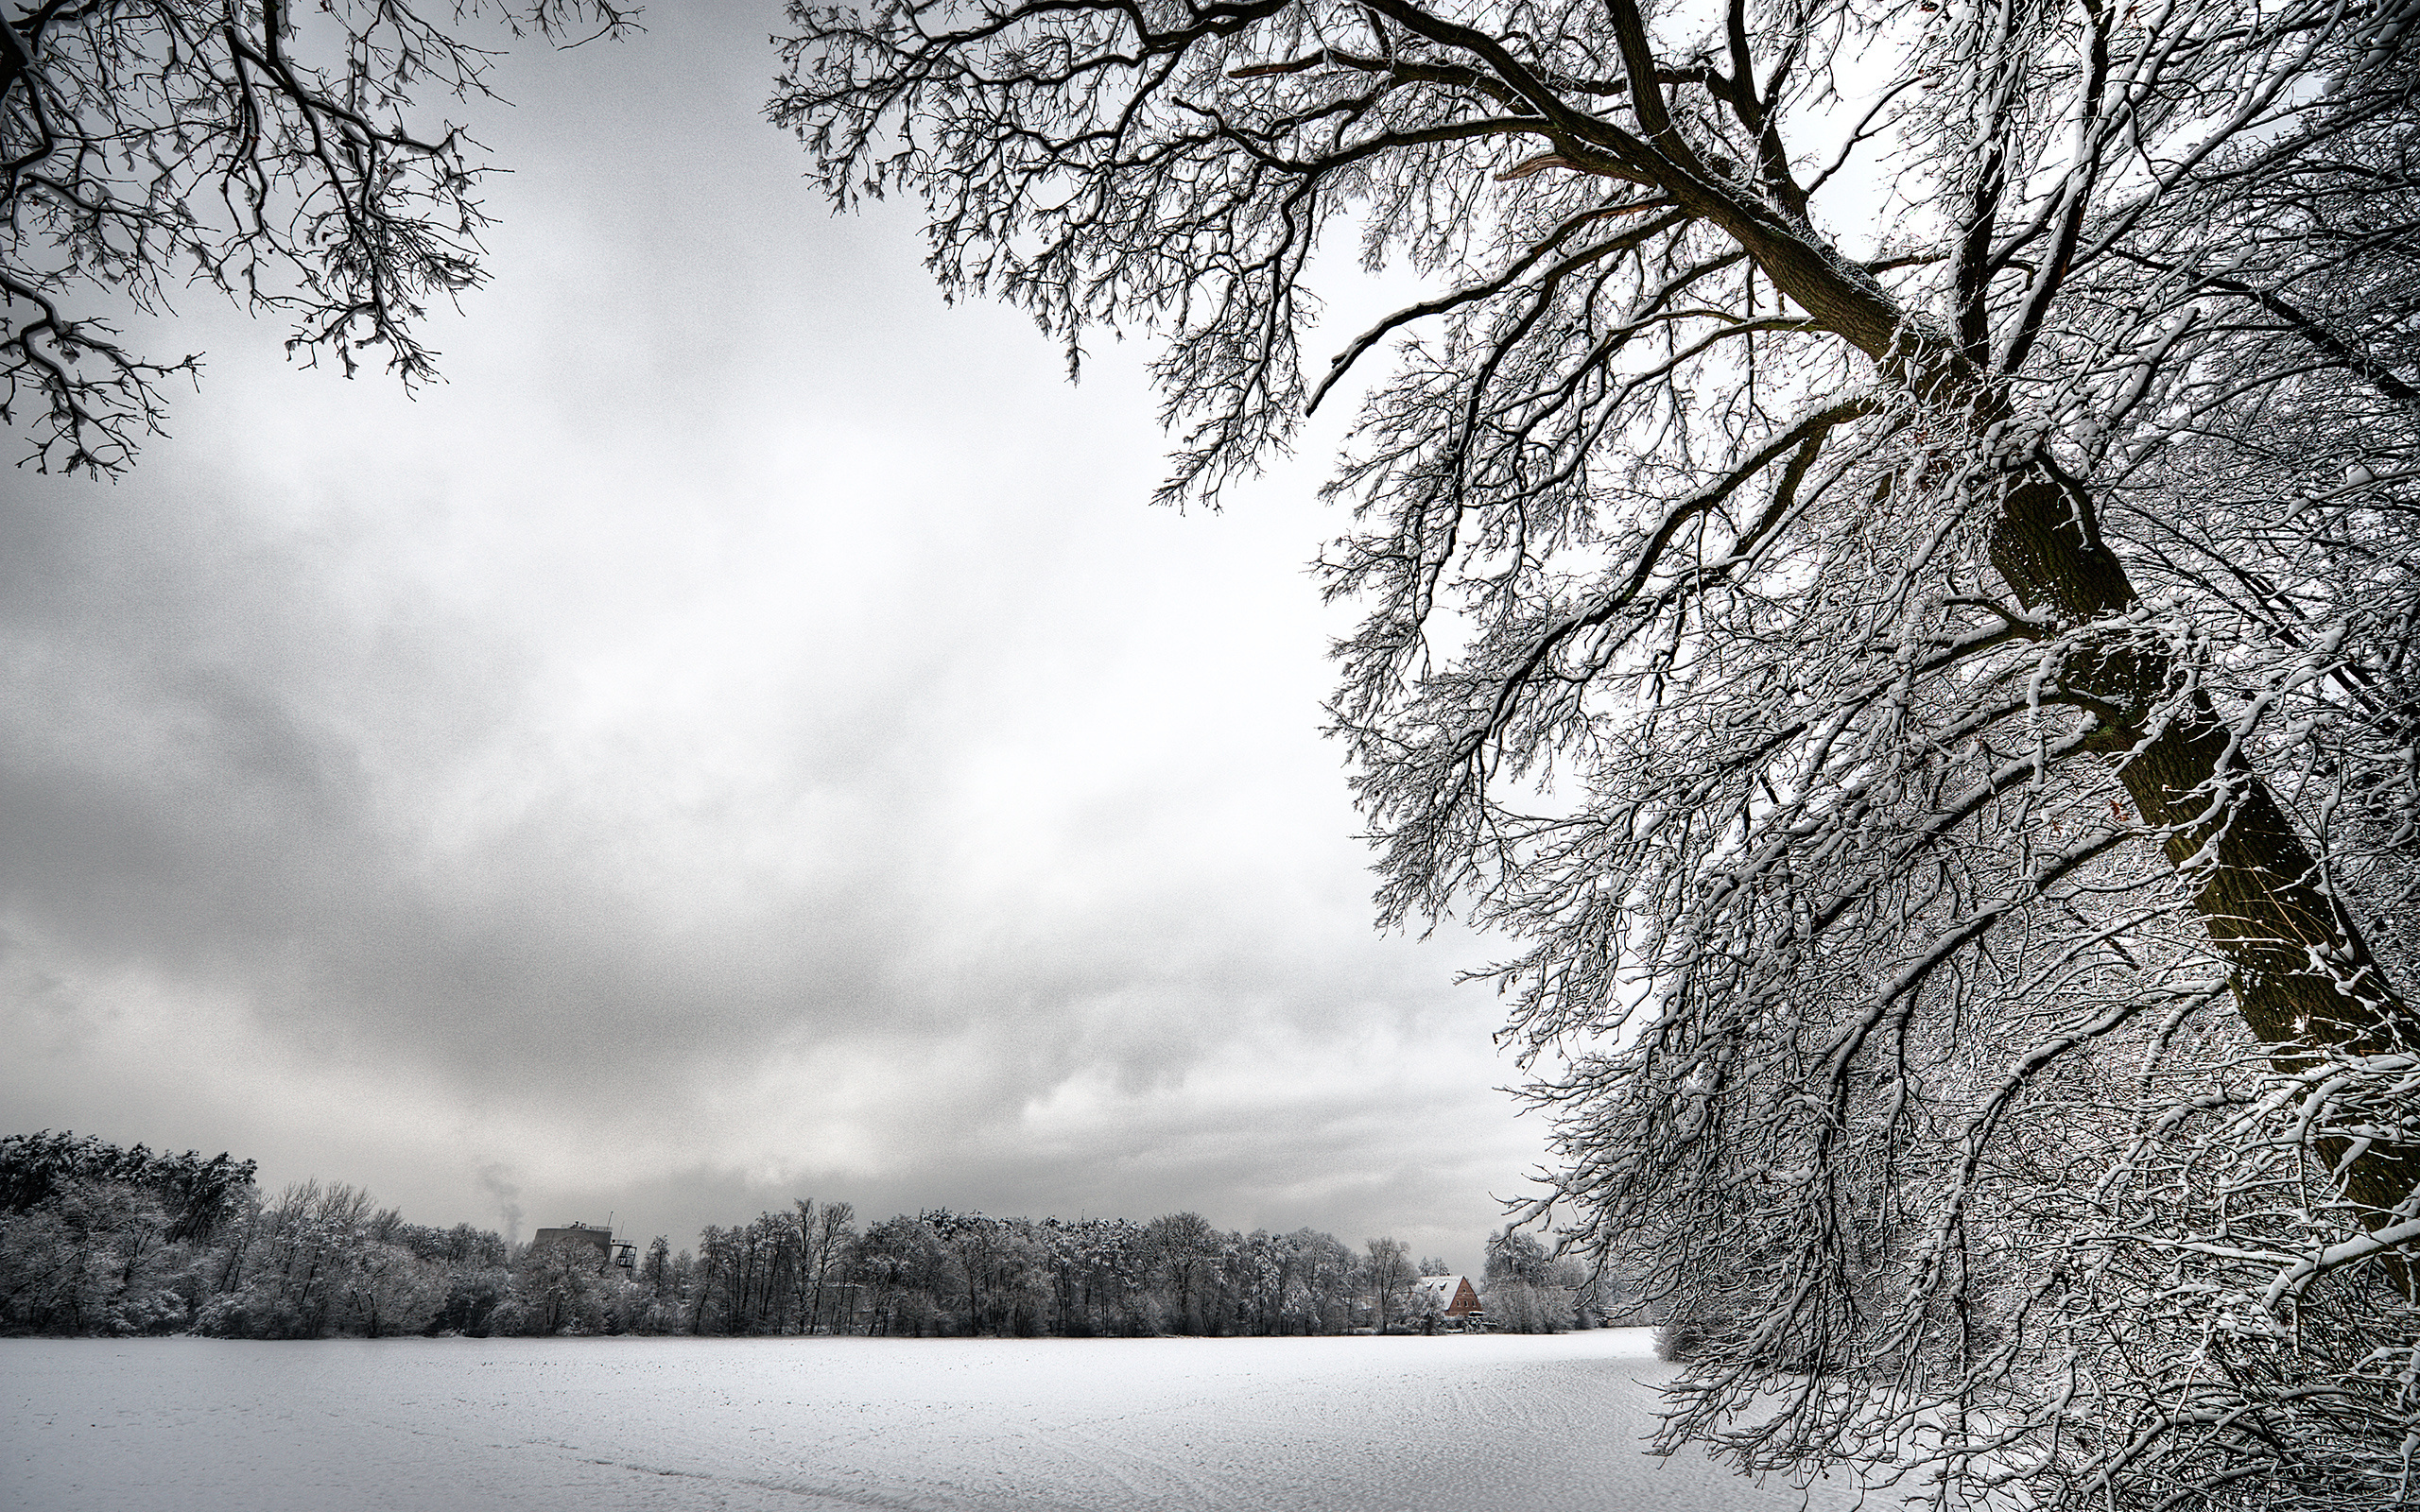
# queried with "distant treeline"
point(99, 1240)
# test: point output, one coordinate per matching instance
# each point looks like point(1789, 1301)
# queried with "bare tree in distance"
point(1391, 1275)
point(1887, 559)
point(267, 152)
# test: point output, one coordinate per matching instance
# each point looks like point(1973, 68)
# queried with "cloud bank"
point(743, 737)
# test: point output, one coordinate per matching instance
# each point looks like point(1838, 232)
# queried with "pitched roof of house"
point(1446, 1288)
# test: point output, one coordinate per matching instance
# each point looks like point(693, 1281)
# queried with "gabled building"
point(1452, 1296)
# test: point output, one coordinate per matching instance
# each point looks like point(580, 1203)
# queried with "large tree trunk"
point(2303, 977)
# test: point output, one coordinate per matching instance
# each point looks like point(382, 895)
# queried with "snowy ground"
point(1337, 1425)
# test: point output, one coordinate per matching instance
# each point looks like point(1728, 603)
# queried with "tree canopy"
point(99, 1240)
point(263, 152)
point(1886, 557)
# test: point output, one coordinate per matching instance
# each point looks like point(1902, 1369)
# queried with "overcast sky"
point(744, 736)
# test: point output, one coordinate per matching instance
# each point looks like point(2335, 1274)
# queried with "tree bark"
point(2303, 978)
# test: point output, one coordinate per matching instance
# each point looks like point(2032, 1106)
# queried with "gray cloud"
point(744, 737)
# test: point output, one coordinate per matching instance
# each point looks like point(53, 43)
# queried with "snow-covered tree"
point(1887, 575)
point(826, 1233)
point(1515, 1255)
point(1387, 1274)
point(268, 151)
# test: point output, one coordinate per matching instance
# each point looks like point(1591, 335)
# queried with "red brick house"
point(1452, 1296)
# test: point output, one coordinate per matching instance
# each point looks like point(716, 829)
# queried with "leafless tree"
point(1886, 559)
point(825, 1233)
point(257, 148)
point(1390, 1276)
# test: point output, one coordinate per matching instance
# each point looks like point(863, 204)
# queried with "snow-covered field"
point(1338, 1425)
